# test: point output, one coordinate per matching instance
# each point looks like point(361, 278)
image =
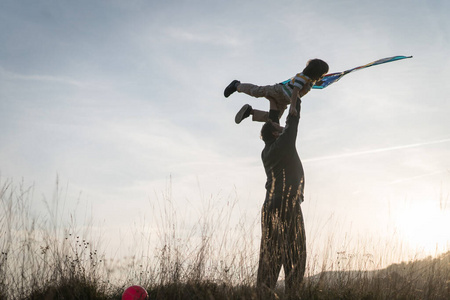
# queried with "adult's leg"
point(294, 250)
point(270, 256)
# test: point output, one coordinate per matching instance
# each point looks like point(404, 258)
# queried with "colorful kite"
point(333, 77)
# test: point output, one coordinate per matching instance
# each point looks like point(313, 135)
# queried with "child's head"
point(315, 68)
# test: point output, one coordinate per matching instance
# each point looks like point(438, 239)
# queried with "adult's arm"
point(289, 135)
point(294, 97)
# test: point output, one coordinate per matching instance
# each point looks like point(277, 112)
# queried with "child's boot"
point(231, 88)
point(243, 113)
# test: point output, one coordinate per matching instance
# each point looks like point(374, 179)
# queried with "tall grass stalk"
point(207, 253)
point(44, 254)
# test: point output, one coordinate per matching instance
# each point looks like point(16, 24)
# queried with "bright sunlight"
point(425, 227)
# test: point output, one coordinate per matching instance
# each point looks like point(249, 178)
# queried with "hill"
point(419, 279)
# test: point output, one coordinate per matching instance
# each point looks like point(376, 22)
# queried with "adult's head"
point(270, 131)
point(315, 69)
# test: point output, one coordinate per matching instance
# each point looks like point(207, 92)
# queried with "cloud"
point(7, 75)
point(374, 151)
point(204, 36)
point(406, 179)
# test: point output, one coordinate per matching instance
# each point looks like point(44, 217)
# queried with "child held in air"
point(279, 95)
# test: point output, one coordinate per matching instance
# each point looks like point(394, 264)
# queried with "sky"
point(122, 103)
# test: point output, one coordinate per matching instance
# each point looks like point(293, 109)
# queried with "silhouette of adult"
point(283, 241)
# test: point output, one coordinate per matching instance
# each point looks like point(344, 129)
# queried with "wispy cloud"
point(213, 38)
point(373, 151)
point(417, 177)
point(45, 78)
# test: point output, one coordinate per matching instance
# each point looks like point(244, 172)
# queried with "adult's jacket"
point(284, 170)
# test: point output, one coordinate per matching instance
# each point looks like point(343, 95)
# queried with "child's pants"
point(274, 93)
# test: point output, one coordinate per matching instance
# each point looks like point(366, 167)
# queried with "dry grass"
point(51, 257)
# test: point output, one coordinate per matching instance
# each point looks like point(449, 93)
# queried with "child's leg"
point(260, 115)
point(264, 116)
point(274, 114)
point(274, 93)
point(256, 91)
point(257, 115)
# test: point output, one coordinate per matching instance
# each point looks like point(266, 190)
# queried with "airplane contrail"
point(345, 155)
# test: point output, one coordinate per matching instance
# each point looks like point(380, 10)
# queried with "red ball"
point(135, 292)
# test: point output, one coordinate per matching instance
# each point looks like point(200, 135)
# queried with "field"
point(46, 257)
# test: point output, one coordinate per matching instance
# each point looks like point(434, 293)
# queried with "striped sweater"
point(298, 81)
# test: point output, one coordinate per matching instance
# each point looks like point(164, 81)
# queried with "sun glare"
point(425, 228)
